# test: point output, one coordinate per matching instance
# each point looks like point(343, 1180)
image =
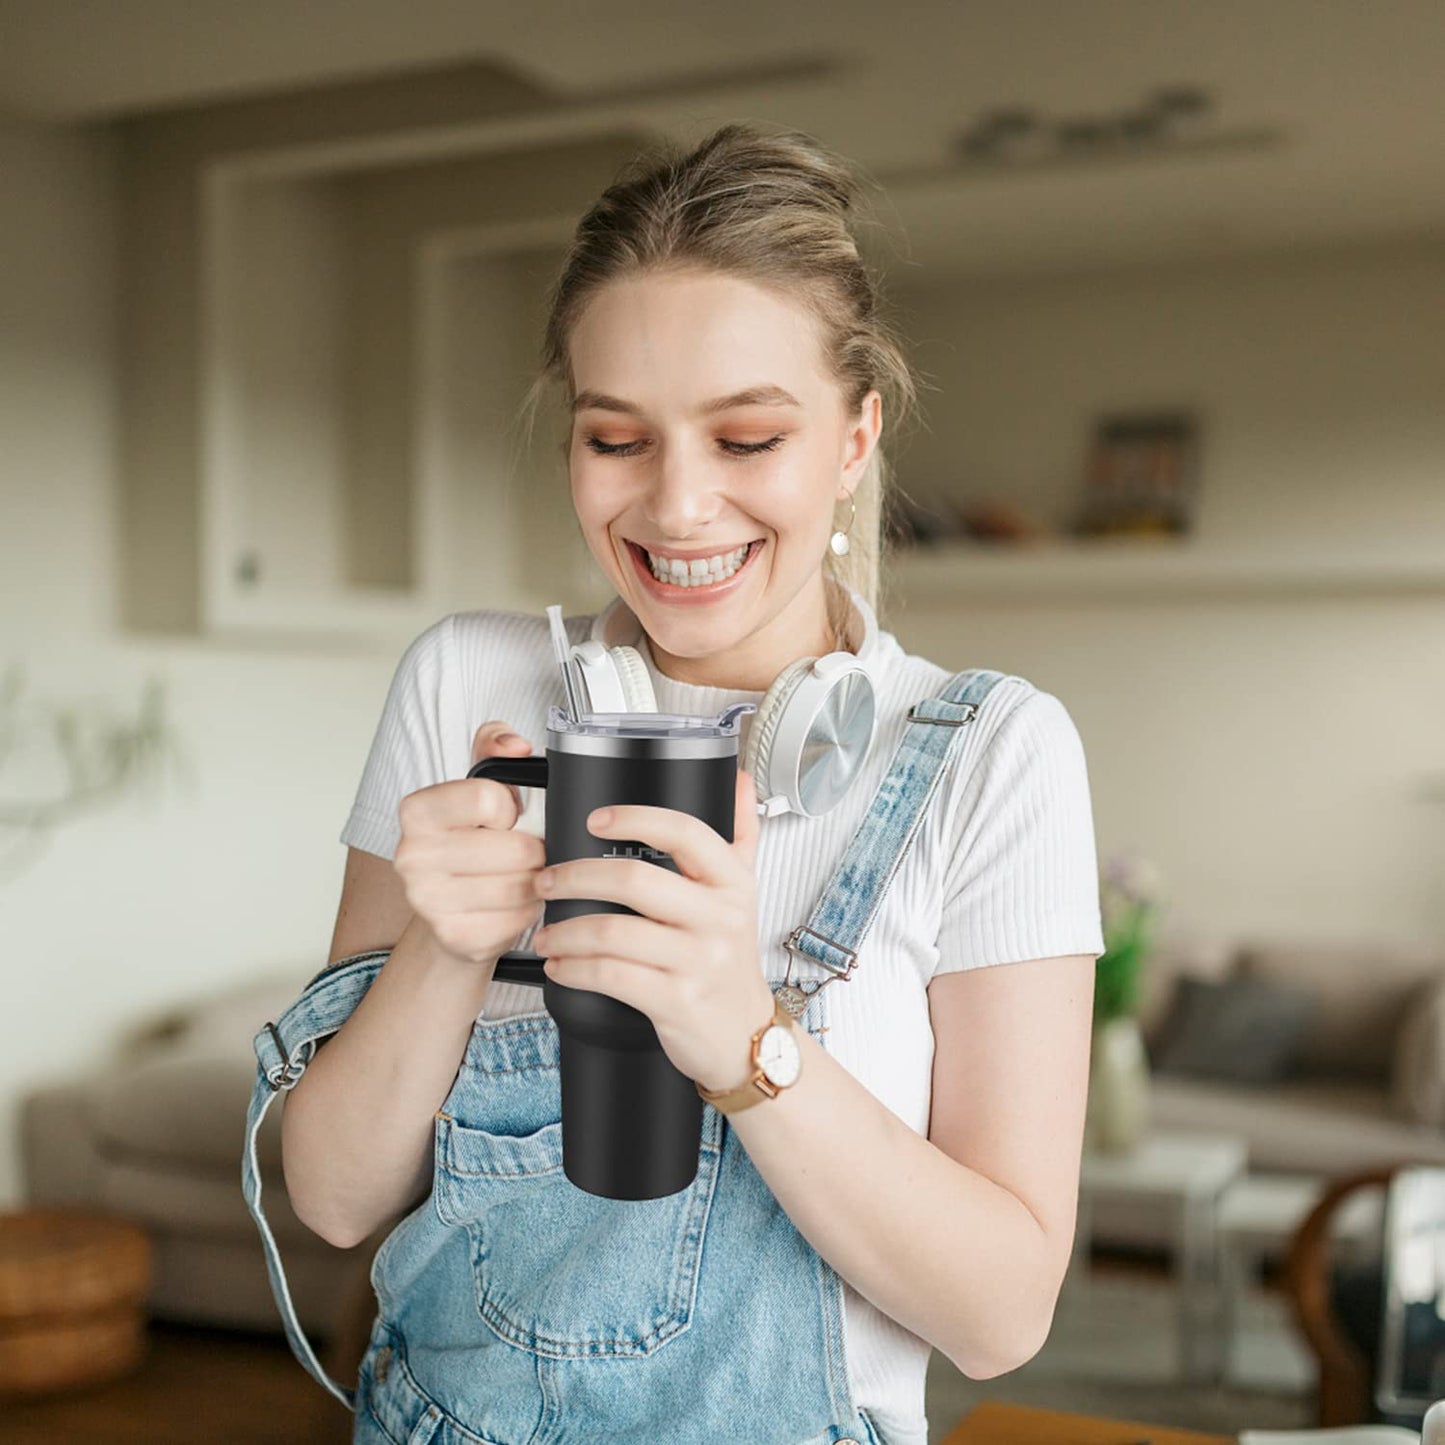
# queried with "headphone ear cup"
point(633, 675)
point(615, 679)
point(764, 727)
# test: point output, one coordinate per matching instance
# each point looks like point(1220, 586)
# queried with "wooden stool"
point(73, 1288)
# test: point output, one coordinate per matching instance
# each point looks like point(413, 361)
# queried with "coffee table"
point(1258, 1216)
point(1184, 1173)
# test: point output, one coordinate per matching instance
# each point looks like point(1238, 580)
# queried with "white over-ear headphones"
point(812, 731)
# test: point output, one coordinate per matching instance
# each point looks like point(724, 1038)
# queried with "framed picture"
point(1142, 476)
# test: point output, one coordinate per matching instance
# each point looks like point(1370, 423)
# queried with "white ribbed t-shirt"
point(1002, 867)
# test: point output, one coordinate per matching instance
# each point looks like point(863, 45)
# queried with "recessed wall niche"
point(325, 348)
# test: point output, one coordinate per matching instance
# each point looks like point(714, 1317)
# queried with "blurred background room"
point(1173, 276)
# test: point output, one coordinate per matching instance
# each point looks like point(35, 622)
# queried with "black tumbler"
point(631, 1120)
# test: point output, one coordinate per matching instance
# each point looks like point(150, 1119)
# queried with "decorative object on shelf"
point(1142, 476)
point(1118, 1106)
point(908, 522)
point(1171, 119)
point(102, 757)
point(915, 524)
point(1001, 521)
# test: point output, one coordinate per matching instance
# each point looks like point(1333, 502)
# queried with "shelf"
point(1124, 568)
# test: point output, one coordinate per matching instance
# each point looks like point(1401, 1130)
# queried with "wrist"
point(431, 959)
point(745, 1069)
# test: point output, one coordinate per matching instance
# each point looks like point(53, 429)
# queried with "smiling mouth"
point(684, 578)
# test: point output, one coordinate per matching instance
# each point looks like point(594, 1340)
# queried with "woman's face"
point(668, 458)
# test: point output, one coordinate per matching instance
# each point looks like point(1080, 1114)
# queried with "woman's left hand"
point(688, 957)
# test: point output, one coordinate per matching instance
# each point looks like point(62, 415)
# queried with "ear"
point(860, 439)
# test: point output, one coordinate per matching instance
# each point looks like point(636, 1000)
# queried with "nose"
point(681, 497)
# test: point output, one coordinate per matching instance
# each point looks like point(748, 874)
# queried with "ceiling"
point(1350, 90)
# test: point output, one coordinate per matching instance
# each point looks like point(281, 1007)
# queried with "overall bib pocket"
point(562, 1272)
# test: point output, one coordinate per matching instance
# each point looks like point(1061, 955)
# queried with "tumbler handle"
point(517, 966)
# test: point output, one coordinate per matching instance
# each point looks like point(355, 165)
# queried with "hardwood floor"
point(195, 1387)
point(225, 1387)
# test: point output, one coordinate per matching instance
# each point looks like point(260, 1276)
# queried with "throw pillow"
point(1363, 989)
point(1239, 1030)
point(1417, 1081)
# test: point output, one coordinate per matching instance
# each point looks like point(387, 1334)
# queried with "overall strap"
point(283, 1049)
point(832, 935)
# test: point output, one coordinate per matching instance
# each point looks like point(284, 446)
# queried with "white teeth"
point(700, 572)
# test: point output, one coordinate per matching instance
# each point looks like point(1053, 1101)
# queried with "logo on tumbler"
point(642, 850)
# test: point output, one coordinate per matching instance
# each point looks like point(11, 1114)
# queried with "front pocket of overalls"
point(557, 1270)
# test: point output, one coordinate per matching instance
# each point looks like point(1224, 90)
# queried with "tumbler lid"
point(650, 724)
point(658, 733)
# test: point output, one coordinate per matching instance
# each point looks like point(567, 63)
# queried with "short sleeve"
point(407, 750)
point(1022, 880)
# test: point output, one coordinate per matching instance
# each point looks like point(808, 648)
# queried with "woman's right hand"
point(467, 872)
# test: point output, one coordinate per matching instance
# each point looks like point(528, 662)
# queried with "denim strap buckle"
point(793, 944)
point(921, 712)
point(287, 1074)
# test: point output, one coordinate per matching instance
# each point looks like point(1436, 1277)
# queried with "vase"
point(1117, 1113)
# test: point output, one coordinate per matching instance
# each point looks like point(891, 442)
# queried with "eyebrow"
point(753, 396)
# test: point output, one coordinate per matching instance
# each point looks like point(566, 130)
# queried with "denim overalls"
point(517, 1309)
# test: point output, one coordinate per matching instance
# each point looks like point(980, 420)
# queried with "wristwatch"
point(777, 1061)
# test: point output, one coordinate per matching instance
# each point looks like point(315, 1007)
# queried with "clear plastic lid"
point(650, 724)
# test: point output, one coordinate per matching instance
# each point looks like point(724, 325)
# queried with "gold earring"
point(838, 542)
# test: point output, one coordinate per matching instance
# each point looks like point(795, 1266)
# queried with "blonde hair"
point(772, 208)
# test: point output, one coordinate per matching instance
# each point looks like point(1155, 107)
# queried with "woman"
point(721, 347)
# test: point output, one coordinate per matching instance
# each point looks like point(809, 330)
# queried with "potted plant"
point(1118, 1107)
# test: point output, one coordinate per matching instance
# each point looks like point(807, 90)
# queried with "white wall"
point(151, 901)
point(1272, 755)
point(1266, 753)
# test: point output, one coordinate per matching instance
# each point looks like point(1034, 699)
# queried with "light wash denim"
point(517, 1309)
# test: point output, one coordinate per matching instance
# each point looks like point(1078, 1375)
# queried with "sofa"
point(1365, 1082)
point(157, 1133)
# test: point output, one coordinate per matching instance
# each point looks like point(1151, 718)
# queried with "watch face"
point(778, 1056)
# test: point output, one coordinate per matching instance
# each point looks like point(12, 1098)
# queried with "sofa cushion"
point(1364, 990)
point(184, 1110)
point(1417, 1081)
point(1248, 1030)
point(225, 1023)
point(183, 1100)
point(1300, 1126)
point(1175, 956)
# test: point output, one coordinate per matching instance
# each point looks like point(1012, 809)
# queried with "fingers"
point(470, 802)
point(699, 850)
point(496, 737)
point(459, 803)
point(466, 871)
point(646, 888)
point(745, 818)
point(470, 852)
point(437, 894)
point(475, 888)
point(619, 936)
